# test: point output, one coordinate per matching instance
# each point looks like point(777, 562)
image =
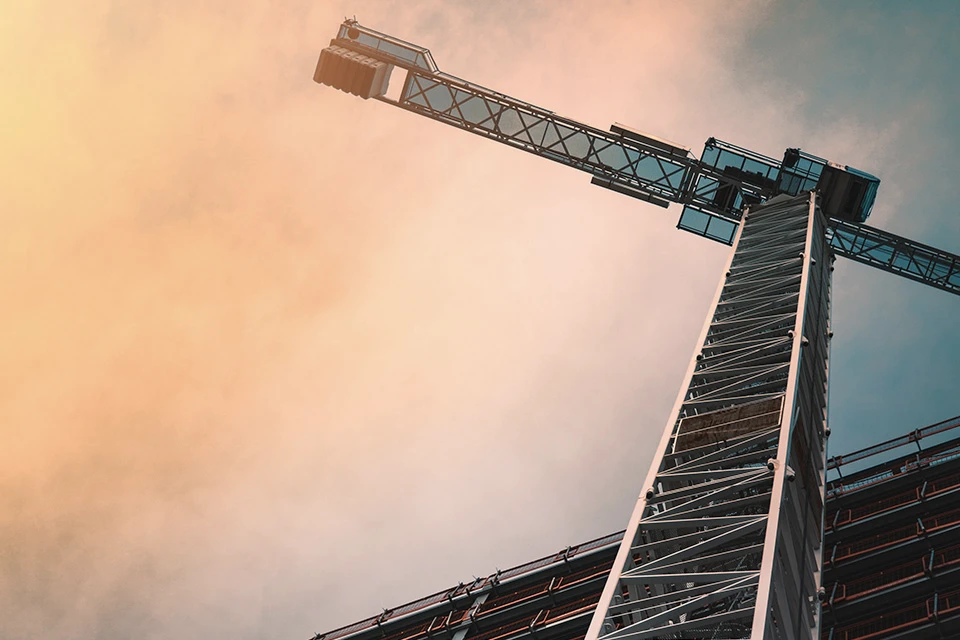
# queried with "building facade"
point(891, 562)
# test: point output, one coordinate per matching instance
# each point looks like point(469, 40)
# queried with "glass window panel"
point(710, 156)
point(474, 111)
point(565, 131)
point(413, 90)
point(693, 220)
point(915, 266)
point(529, 119)
point(396, 50)
point(614, 157)
point(940, 270)
point(648, 169)
point(439, 98)
point(578, 145)
point(509, 122)
point(881, 253)
point(789, 183)
point(849, 238)
point(418, 99)
point(537, 132)
point(551, 137)
point(720, 229)
point(419, 84)
point(666, 174)
point(728, 159)
point(868, 200)
point(367, 39)
point(752, 166)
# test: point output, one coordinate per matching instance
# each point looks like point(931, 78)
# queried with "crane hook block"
point(352, 72)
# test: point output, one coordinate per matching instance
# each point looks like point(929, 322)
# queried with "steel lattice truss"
point(623, 160)
point(895, 254)
point(653, 170)
point(654, 175)
point(657, 177)
point(707, 548)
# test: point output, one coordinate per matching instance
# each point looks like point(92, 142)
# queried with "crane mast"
point(725, 538)
point(724, 541)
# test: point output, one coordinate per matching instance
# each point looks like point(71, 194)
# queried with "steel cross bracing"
point(625, 161)
point(650, 174)
point(721, 544)
point(898, 255)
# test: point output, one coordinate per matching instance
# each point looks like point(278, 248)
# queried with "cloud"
point(267, 339)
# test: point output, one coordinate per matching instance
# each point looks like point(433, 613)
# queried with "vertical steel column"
point(725, 539)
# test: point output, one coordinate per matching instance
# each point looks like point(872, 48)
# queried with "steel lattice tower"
point(730, 520)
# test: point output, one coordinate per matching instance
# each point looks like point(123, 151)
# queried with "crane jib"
point(714, 189)
point(601, 153)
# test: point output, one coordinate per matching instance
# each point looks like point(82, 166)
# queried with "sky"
point(277, 357)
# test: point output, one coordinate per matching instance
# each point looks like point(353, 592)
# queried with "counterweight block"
point(352, 72)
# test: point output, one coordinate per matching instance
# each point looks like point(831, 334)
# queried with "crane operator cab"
point(731, 178)
point(845, 192)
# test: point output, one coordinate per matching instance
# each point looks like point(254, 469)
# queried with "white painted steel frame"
point(721, 544)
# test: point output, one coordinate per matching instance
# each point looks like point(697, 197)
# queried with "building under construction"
point(891, 562)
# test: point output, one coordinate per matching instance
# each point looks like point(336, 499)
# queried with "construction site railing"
point(557, 584)
point(939, 454)
point(841, 517)
point(880, 581)
point(478, 585)
point(881, 625)
point(868, 544)
point(937, 606)
point(929, 563)
point(542, 618)
point(914, 436)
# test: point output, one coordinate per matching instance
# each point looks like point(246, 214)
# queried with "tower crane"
point(725, 540)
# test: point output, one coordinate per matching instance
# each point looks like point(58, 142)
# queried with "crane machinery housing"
point(727, 536)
